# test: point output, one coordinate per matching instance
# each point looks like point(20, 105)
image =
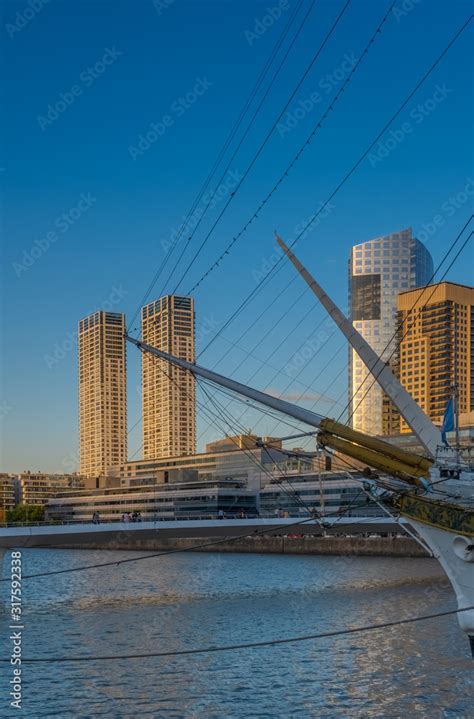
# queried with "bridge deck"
point(70, 534)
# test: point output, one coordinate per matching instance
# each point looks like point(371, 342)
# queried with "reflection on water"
point(191, 600)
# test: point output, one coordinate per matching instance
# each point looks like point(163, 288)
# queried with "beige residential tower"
point(102, 392)
point(168, 393)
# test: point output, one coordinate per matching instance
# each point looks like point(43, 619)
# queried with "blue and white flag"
point(448, 421)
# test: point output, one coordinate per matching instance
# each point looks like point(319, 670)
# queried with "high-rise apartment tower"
point(436, 335)
point(378, 270)
point(168, 393)
point(102, 392)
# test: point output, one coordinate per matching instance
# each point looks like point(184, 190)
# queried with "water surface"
point(193, 600)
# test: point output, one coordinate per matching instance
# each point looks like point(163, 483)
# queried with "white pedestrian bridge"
point(116, 533)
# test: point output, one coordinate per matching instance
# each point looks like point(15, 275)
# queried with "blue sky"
point(89, 208)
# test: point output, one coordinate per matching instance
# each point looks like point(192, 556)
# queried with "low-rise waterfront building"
point(36, 488)
point(7, 494)
point(241, 458)
point(295, 494)
point(190, 500)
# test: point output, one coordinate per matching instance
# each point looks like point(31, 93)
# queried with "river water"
point(195, 600)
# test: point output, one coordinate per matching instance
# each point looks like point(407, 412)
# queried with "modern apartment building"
point(436, 337)
point(378, 270)
point(102, 392)
point(7, 494)
point(168, 393)
point(37, 488)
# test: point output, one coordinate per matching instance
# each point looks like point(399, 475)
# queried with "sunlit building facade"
point(37, 488)
point(436, 334)
point(168, 393)
point(7, 494)
point(378, 271)
point(102, 392)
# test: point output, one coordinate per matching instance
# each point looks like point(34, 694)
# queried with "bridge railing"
point(154, 519)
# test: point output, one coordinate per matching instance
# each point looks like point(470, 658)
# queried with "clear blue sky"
point(85, 79)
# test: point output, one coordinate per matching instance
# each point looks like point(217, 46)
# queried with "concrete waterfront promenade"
point(374, 546)
point(163, 535)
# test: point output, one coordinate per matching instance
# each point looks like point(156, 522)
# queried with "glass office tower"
point(378, 270)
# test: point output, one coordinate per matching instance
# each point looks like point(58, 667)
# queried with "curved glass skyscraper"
point(378, 270)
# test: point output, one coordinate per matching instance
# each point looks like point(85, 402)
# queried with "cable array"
point(264, 142)
point(221, 154)
point(297, 156)
point(278, 265)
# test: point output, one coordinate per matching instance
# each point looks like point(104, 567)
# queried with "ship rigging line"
point(262, 283)
point(260, 341)
point(296, 157)
point(292, 493)
point(294, 352)
point(206, 411)
point(221, 155)
point(227, 418)
point(266, 139)
point(289, 492)
point(245, 645)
